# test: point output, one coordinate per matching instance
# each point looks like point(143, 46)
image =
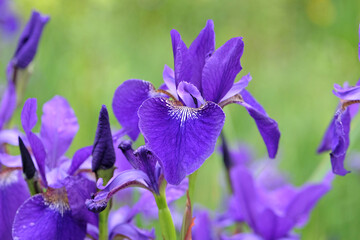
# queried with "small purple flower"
point(336, 137)
point(272, 214)
point(183, 119)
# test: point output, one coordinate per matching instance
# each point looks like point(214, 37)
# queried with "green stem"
point(192, 184)
point(31, 185)
point(106, 175)
point(165, 218)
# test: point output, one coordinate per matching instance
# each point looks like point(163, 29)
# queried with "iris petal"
point(127, 99)
point(180, 136)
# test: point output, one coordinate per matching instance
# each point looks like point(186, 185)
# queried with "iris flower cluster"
point(104, 190)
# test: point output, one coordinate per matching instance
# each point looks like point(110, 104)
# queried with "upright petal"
point(190, 95)
point(13, 192)
point(180, 136)
point(127, 99)
point(221, 69)
point(201, 49)
point(28, 114)
point(182, 59)
point(29, 40)
point(103, 149)
point(79, 158)
point(237, 87)
point(38, 150)
point(58, 128)
point(169, 80)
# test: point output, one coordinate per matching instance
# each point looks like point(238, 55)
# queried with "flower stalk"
point(165, 218)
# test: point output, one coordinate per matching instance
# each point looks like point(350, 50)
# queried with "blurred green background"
point(295, 51)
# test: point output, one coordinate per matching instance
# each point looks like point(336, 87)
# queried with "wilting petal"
point(142, 159)
point(221, 69)
point(58, 128)
point(190, 95)
point(13, 192)
point(103, 149)
point(342, 130)
point(79, 158)
point(237, 87)
point(41, 218)
point(180, 136)
point(169, 80)
point(28, 114)
point(201, 49)
point(127, 99)
point(8, 104)
point(267, 127)
point(129, 178)
point(29, 40)
point(182, 59)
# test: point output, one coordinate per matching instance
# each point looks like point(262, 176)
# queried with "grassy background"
point(295, 51)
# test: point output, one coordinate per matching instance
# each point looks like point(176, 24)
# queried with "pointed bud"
point(27, 163)
point(103, 150)
point(225, 152)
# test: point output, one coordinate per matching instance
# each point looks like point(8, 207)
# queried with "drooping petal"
point(201, 49)
point(103, 149)
point(182, 59)
point(29, 40)
point(190, 95)
point(127, 99)
point(129, 178)
point(342, 130)
point(142, 159)
point(58, 128)
point(13, 192)
point(237, 87)
point(267, 127)
point(329, 139)
point(221, 69)
point(180, 136)
point(28, 114)
point(41, 217)
point(8, 104)
point(79, 158)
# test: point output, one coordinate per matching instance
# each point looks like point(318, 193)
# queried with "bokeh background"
point(294, 49)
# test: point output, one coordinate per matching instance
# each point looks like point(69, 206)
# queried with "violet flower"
point(182, 128)
point(336, 137)
point(60, 211)
point(272, 214)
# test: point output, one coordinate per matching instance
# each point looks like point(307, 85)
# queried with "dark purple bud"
point(103, 151)
point(94, 206)
point(29, 40)
point(27, 163)
point(226, 153)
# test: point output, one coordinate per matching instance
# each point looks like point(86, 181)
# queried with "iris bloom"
point(272, 214)
point(60, 212)
point(183, 119)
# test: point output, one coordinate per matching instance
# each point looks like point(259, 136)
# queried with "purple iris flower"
point(60, 211)
point(183, 119)
point(9, 22)
point(336, 137)
point(24, 54)
point(272, 214)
